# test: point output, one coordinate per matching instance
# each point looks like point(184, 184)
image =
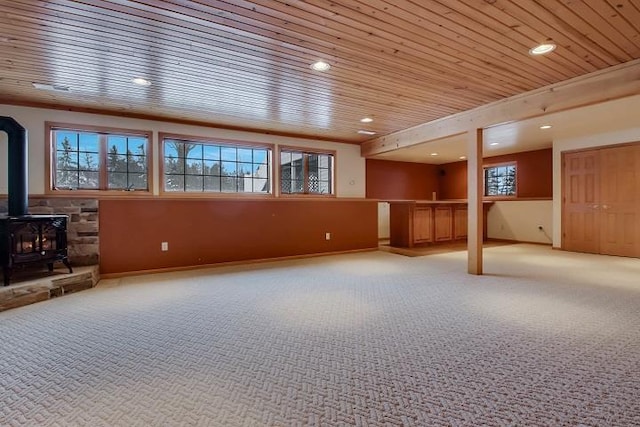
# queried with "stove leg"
point(66, 262)
point(50, 266)
point(7, 275)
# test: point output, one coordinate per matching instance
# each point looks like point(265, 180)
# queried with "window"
point(202, 166)
point(98, 159)
point(500, 180)
point(303, 172)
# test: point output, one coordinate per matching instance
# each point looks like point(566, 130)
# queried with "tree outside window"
point(500, 180)
point(201, 166)
point(88, 160)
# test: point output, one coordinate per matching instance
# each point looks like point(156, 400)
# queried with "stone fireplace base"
point(30, 287)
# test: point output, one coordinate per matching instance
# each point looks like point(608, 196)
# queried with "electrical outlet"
point(164, 246)
point(327, 236)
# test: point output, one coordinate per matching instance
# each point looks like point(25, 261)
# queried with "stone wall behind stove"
point(82, 228)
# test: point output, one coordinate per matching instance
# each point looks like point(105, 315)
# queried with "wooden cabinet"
point(422, 228)
point(601, 201)
point(460, 214)
point(416, 222)
point(443, 223)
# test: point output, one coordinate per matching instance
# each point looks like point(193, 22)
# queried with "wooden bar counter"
point(415, 222)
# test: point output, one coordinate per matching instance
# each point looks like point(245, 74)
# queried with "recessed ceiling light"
point(366, 132)
point(545, 127)
point(140, 81)
point(495, 143)
point(462, 157)
point(46, 86)
point(542, 49)
point(320, 66)
point(366, 120)
point(434, 154)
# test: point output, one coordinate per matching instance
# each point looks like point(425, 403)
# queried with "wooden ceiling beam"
point(600, 86)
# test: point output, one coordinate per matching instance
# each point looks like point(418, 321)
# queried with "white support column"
point(475, 232)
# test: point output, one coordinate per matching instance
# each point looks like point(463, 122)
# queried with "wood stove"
point(32, 239)
point(27, 239)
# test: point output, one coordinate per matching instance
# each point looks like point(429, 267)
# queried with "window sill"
point(96, 193)
point(212, 195)
point(513, 198)
point(306, 196)
point(493, 198)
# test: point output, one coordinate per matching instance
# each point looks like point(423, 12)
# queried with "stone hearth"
point(29, 286)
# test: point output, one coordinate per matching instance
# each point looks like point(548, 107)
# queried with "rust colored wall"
point(387, 180)
point(534, 175)
point(212, 231)
point(453, 181)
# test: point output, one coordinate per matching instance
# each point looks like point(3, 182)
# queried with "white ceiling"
point(526, 135)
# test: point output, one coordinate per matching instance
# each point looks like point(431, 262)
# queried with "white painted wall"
point(383, 220)
point(568, 144)
point(350, 166)
point(519, 220)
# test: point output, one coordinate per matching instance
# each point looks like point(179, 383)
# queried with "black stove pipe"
point(17, 165)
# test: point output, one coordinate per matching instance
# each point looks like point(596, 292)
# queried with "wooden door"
point(580, 202)
point(422, 224)
point(619, 201)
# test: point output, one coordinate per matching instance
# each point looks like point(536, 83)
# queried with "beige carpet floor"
point(545, 338)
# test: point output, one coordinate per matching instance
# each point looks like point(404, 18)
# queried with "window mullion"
point(305, 172)
point(76, 171)
point(102, 167)
point(127, 165)
point(184, 170)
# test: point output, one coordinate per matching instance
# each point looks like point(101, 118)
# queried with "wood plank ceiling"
point(245, 64)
